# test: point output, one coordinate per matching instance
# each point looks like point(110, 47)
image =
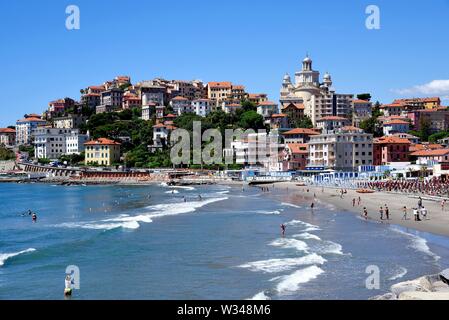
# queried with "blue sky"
point(247, 42)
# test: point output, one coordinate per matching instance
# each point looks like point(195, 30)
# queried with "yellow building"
point(102, 151)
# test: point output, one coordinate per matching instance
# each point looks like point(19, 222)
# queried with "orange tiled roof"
point(361, 101)
point(31, 119)
point(298, 147)
point(301, 131)
point(396, 121)
point(332, 118)
point(179, 98)
point(267, 103)
point(350, 128)
point(391, 140)
point(223, 84)
point(7, 130)
point(278, 115)
point(101, 141)
point(427, 146)
point(430, 153)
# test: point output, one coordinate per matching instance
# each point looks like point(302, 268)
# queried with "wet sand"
point(437, 220)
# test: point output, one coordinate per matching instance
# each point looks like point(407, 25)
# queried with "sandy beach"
point(437, 220)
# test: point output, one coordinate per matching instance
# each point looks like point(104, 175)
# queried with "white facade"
point(24, 129)
point(201, 107)
point(181, 105)
point(396, 126)
point(51, 143)
point(266, 109)
point(344, 150)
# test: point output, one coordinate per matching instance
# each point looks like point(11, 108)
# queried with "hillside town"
point(322, 135)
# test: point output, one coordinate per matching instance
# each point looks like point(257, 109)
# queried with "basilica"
point(318, 99)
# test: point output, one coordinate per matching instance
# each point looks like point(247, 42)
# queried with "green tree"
point(6, 154)
point(251, 120)
point(364, 96)
point(424, 129)
point(371, 125)
point(437, 136)
point(304, 122)
point(248, 106)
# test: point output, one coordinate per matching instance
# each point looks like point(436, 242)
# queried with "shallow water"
point(145, 242)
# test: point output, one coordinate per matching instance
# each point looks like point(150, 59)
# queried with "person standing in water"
point(68, 286)
point(283, 229)
point(34, 217)
point(365, 212)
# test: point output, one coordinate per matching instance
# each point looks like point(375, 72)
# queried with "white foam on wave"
point(133, 222)
point(6, 256)
point(290, 283)
point(170, 209)
point(223, 192)
point(306, 236)
point(289, 243)
point(418, 243)
point(172, 191)
point(290, 205)
point(308, 227)
point(329, 247)
point(401, 272)
point(280, 265)
point(276, 212)
point(183, 187)
point(260, 296)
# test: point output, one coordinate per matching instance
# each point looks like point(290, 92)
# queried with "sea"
point(199, 242)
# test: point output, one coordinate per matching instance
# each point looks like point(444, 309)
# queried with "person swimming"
point(34, 217)
point(283, 229)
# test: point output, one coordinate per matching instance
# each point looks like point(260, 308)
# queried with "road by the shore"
point(437, 222)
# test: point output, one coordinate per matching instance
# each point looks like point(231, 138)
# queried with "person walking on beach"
point(365, 213)
point(359, 201)
point(381, 212)
point(387, 212)
point(424, 213)
point(404, 211)
point(419, 203)
point(353, 202)
point(283, 229)
point(312, 206)
point(443, 203)
point(416, 214)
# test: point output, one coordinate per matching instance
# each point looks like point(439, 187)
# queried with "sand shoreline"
point(437, 222)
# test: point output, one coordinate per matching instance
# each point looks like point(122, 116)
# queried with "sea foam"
point(418, 243)
point(6, 256)
point(289, 243)
point(290, 283)
point(280, 265)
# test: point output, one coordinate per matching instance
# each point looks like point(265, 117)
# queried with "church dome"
point(287, 77)
point(327, 76)
point(307, 59)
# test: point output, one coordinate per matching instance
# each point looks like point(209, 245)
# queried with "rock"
point(386, 296)
point(408, 286)
point(416, 295)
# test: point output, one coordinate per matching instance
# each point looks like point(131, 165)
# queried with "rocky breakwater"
point(430, 287)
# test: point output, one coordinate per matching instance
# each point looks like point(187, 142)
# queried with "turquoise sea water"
point(146, 242)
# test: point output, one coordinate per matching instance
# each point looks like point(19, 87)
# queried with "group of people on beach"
point(435, 186)
point(384, 211)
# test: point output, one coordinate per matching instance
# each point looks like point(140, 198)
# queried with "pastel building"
point(7, 137)
point(181, 105)
point(102, 151)
point(201, 107)
point(319, 98)
point(299, 135)
point(267, 108)
point(345, 149)
point(24, 128)
point(391, 149)
point(295, 156)
point(431, 157)
point(395, 126)
point(51, 143)
point(331, 123)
